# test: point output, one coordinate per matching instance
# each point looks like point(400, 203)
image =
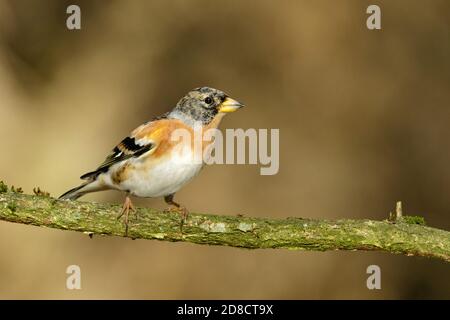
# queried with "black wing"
point(126, 149)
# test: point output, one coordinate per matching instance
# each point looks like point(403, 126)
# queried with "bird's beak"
point(229, 105)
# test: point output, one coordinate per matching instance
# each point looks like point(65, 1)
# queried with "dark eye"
point(208, 100)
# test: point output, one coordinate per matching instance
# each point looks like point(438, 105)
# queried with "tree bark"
point(402, 236)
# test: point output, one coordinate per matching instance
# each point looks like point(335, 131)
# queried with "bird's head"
point(204, 104)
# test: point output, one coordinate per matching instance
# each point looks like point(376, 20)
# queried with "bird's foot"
point(126, 208)
point(182, 211)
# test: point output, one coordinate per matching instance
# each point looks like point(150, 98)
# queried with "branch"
point(401, 236)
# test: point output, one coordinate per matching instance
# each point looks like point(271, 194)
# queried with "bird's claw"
point(126, 208)
point(182, 211)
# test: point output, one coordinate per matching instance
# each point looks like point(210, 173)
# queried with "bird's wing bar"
point(144, 138)
point(126, 149)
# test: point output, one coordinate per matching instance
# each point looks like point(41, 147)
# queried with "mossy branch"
point(403, 235)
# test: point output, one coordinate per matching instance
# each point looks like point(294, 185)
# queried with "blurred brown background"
point(364, 121)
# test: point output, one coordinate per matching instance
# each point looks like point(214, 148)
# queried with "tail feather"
point(73, 194)
point(81, 190)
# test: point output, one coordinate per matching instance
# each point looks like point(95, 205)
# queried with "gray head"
point(203, 104)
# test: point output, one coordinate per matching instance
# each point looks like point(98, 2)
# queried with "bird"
point(147, 162)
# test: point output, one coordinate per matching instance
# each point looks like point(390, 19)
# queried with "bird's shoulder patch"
point(160, 131)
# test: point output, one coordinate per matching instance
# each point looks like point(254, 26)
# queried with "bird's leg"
point(176, 207)
point(127, 206)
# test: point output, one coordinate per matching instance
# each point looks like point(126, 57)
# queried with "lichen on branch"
point(402, 235)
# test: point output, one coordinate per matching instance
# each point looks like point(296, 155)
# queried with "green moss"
point(12, 206)
point(414, 220)
point(3, 187)
point(405, 236)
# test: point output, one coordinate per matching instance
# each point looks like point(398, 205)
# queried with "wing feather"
point(130, 147)
point(144, 138)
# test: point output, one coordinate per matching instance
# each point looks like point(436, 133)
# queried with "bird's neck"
point(191, 121)
point(184, 117)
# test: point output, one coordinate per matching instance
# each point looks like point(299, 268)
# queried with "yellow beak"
point(230, 105)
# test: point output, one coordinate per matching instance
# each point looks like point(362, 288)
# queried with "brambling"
point(147, 163)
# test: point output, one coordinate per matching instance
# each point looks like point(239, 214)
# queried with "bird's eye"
point(208, 100)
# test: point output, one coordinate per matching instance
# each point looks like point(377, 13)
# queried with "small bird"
point(147, 163)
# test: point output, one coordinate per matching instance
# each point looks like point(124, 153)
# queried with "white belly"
point(164, 178)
